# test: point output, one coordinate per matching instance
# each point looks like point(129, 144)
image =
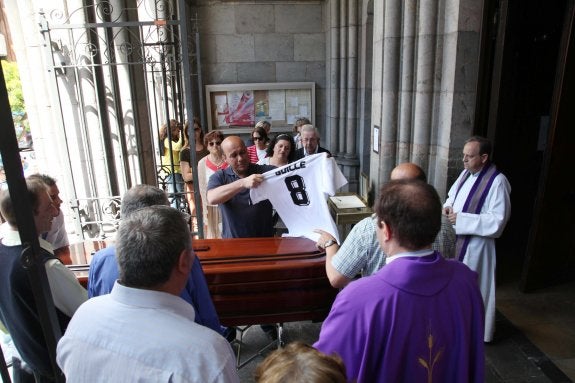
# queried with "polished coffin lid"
point(253, 280)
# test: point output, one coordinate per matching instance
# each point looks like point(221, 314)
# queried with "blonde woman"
point(300, 362)
point(170, 159)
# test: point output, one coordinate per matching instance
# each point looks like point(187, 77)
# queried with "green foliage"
point(14, 87)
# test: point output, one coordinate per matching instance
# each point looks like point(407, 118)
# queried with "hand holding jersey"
point(325, 239)
point(298, 191)
point(228, 189)
point(252, 181)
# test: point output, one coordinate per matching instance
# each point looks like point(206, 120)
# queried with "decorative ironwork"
point(154, 10)
point(98, 217)
point(93, 42)
point(154, 47)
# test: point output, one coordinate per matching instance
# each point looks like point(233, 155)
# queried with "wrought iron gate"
point(121, 70)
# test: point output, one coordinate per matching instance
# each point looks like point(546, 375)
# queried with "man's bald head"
point(236, 155)
point(408, 171)
point(232, 142)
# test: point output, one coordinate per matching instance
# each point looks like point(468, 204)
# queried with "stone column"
point(352, 80)
point(390, 35)
point(343, 87)
point(365, 62)
point(424, 81)
point(333, 68)
point(406, 94)
point(342, 49)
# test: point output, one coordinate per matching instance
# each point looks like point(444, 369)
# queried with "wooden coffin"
point(258, 280)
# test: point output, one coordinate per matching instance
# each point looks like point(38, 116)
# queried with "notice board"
point(236, 108)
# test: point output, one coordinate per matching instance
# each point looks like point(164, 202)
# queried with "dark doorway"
point(518, 112)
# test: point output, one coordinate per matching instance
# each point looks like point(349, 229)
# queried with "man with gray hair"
point(310, 142)
point(104, 267)
point(143, 330)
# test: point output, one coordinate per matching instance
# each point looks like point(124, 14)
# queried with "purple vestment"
point(419, 319)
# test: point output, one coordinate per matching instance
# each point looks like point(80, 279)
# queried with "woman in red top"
point(257, 151)
point(206, 167)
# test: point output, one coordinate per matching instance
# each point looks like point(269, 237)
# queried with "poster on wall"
point(277, 99)
point(261, 105)
point(240, 108)
point(221, 109)
point(297, 104)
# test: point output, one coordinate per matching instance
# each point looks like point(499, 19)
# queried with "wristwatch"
point(328, 243)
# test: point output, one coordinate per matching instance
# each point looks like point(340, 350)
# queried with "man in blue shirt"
point(230, 189)
point(104, 267)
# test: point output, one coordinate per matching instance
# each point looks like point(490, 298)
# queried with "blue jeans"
point(176, 196)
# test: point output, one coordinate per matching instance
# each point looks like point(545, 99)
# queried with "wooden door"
point(523, 106)
point(550, 257)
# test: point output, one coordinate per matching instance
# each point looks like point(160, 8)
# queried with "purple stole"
point(474, 201)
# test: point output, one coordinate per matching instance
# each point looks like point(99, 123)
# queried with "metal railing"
point(98, 218)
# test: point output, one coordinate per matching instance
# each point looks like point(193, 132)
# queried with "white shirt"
point(298, 191)
point(67, 292)
point(262, 153)
point(417, 253)
point(137, 335)
point(264, 161)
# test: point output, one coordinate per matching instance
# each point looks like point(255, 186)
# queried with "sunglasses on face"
point(218, 143)
point(258, 138)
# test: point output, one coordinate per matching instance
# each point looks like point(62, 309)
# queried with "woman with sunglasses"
point(258, 151)
point(280, 151)
point(186, 168)
point(206, 167)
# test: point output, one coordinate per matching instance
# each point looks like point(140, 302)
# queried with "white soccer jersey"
point(298, 192)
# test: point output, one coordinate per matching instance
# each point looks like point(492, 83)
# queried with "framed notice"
point(236, 108)
point(376, 138)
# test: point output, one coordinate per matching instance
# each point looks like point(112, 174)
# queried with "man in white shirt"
point(57, 234)
point(143, 330)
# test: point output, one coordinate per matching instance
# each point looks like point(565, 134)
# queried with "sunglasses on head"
point(215, 143)
point(284, 137)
